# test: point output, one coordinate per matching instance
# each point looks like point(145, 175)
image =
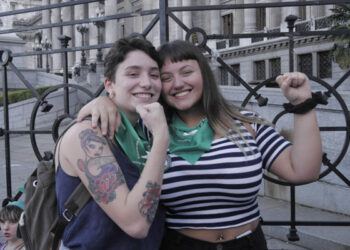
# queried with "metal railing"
point(162, 15)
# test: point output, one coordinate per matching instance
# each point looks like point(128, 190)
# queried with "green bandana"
point(190, 143)
point(133, 142)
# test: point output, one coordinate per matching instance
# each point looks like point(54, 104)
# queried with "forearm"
point(306, 153)
point(146, 193)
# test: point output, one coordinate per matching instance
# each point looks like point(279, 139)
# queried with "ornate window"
point(236, 69)
point(305, 63)
point(259, 68)
point(223, 76)
point(275, 66)
point(324, 64)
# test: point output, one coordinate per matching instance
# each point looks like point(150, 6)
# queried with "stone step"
point(311, 237)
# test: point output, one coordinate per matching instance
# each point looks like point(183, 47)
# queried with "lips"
point(143, 95)
point(182, 93)
point(7, 235)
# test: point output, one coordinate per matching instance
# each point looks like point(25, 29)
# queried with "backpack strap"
point(75, 203)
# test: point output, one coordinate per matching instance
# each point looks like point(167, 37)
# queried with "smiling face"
point(182, 85)
point(136, 81)
point(9, 230)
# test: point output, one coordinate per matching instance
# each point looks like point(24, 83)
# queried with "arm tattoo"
point(103, 175)
point(149, 204)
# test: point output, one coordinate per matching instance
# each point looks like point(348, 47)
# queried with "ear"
point(108, 85)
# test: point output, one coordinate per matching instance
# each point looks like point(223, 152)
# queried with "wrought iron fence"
point(162, 15)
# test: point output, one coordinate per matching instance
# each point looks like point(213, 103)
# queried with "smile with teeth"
point(143, 95)
point(183, 93)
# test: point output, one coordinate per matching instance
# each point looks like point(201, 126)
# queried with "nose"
point(177, 83)
point(146, 81)
point(6, 225)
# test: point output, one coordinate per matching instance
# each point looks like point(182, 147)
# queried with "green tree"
point(341, 21)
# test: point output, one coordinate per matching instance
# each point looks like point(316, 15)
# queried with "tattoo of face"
point(103, 175)
point(149, 204)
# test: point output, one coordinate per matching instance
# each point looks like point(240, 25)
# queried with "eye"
point(165, 78)
point(154, 75)
point(132, 74)
point(187, 72)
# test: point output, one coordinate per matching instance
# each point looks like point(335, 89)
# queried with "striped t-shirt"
point(220, 190)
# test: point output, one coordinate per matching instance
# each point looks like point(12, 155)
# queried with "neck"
point(191, 118)
point(132, 117)
point(13, 244)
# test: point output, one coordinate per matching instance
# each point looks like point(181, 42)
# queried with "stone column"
point(273, 16)
point(215, 19)
point(56, 44)
point(111, 26)
point(92, 33)
point(175, 31)
point(67, 15)
point(79, 13)
point(249, 22)
point(238, 19)
point(186, 16)
point(46, 32)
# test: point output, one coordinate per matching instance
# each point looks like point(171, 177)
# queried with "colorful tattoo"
point(103, 175)
point(148, 206)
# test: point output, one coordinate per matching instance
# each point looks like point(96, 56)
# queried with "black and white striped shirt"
point(220, 190)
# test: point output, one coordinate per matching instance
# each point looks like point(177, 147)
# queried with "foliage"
point(341, 21)
point(20, 95)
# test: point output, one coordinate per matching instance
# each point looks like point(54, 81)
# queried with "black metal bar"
point(292, 236)
point(7, 128)
point(307, 223)
point(64, 43)
point(150, 25)
point(163, 21)
point(26, 132)
point(179, 22)
point(333, 129)
point(257, 5)
point(25, 82)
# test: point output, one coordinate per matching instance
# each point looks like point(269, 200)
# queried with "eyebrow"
point(139, 67)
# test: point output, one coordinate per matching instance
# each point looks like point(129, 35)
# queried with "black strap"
point(307, 105)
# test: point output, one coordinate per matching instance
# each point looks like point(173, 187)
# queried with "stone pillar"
point(249, 18)
point(67, 15)
point(273, 16)
point(238, 19)
point(175, 31)
point(215, 19)
point(46, 32)
point(56, 44)
point(111, 30)
point(186, 16)
point(249, 22)
point(92, 33)
point(79, 13)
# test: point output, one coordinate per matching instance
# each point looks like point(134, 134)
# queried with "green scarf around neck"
point(133, 141)
point(190, 143)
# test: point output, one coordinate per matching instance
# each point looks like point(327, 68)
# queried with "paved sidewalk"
point(23, 162)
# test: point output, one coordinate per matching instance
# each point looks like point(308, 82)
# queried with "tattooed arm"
point(84, 152)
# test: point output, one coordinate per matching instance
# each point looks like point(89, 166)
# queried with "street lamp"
point(83, 28)
point(99, 24)
point(46, 44)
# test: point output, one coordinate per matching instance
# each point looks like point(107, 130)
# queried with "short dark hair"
point(10, 213)
point(121, 48)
